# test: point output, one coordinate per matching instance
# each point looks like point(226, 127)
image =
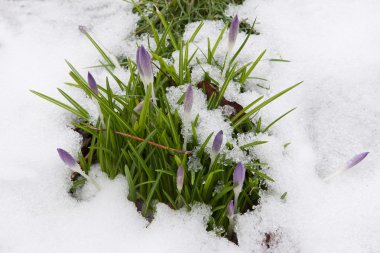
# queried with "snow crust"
point(333, 46)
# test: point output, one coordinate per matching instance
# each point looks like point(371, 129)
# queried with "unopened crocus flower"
point(71, 163)
point(188, 104)
point(139, 107)
point(144, 66)
point(180, 177)
point(356, 159)
point(351, 163)
point(66, 157)
point(230, 210)
point(94, 87)
point(217, 144)
point(238, 180)
point(92, 83)
point(233, 32)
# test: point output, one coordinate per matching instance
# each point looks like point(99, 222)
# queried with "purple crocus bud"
point(230, 209)
point(351, 163)
point(66, 157)
point(92, 83)
point(217, 144)
point(188, 103)
point(356, 159)
point(180, 176)
point(238, 180)
point(239, 174)
point(144, 66)
point(70, 162)
point(139, 107)
point(232, 34)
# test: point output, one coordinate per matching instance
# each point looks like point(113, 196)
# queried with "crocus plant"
point(94, 87)
point(151, 148)
point(216, 145)
point(233, 32)
point(144, 66)
point(351, 163)
point(238, 180)
point(187, 105)
point(180, 177)
point(71, 163)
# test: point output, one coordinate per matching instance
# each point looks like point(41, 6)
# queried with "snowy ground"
point(333, 45)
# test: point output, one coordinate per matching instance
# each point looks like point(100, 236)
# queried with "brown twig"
point(187, 152)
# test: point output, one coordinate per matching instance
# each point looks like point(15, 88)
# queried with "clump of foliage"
point(140, 137)
point(178, 13)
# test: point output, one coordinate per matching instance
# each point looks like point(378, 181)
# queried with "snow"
point(333, 45)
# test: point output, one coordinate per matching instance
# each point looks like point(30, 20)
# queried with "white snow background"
point(334, 46)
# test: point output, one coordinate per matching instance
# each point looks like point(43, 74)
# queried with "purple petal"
point(144, 65)
point(239, 174)
point(234, 29)
point(230, 209)
point(356, 159)
point(218, 140)
point(139, 107)
point(188, 103)
point(66, 157)
point(92, 83)
point(180, 176)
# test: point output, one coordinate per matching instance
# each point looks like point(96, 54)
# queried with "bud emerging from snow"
point(180, 175)
point(230, 210)
point(238, 180)
point(188, 103)
point(92, 83)
point(217, 144)
point(70, 162)
point(351, 163)
point(232, 34)
point(356, 159)
point(66, 157)
point(144, 66)
point(239, 174)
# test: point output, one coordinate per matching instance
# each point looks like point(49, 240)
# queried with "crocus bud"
point(71, 163)
point(356, 159)
point(144, 66)
point(188, 103)
point(66, 157)
point(92, 83)
point(180, 176)
point(94, 87)
point(139, 107)
point(217, 144)
point(238, 180)
point(239, 175)
point(232, 34)
point(351, 163)
point(230, 210)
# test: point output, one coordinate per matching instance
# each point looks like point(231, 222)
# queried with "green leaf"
point(262, 105)
point(62, 105)
point(150, 195)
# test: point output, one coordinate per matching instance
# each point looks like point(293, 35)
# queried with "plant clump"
point(156, 143)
